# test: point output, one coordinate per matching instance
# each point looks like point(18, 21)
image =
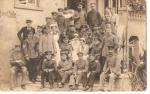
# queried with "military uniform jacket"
point(66, 65)
point(107, 41)
point(30, 47)
point(94, 67)
point(17, 56)
point(61, 21)
point(49, 64)
point(81, 65)
point(113, 64)
point(23, 33)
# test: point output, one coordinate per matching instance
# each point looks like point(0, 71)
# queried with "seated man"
point(93, 70)
point(48, 68)
point(111, 69)
point(17, 66)
point(64, 68)
point(80, 71)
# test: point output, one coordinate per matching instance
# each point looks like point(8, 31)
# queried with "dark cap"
point(39, 26)
point(54, 13)
point(48, 18)
point(49, 53)
point(80, 53)
point(110, 47)
point(28, 21)
point(60, 9)
point(80, 4)
point(17, 45)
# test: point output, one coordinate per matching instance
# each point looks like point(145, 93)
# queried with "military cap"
point(28, 21)
point(60, 9)
point(80, 4)
point(49, 52)
point(48, 18)
point(54, 13)
point(80, 53)
point(17, 45)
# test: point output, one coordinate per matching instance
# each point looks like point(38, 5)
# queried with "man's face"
point(48, 56)
point(17, 49)
point(91, 58)
point(107, 17)
point(60, 13)
point(28, 24)
point(39, 29)
point(66, 41)
point(80, 7)
point(64, 57)
point(48, 21)
point(80, 56)
point(93, 7)
point(45, 31)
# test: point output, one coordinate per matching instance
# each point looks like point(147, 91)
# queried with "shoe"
point(23, 87)
point(71, 87)
point(86, 88)
point(61, 85)
point(11, 88)
point(42, 87)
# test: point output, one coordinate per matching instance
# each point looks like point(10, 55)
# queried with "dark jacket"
point(62, 24)
point(94, 18)
point(23, 33)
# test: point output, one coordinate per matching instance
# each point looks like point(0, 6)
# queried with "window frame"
point(28, 6)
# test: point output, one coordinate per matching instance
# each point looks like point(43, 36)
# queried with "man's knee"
point(13, 70)
point(102, 75)
point(24, 70)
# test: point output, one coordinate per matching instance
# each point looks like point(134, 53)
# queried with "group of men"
point(70, 50)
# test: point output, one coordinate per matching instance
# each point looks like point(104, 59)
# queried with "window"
point(28, 4)
point(72, 4)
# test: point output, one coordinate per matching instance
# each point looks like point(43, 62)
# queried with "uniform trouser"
point(80, 77)
point(102, 61)
point(49, 75)
point(65, 75)
point(13, 76)
point(32, 68)
point(90, 80)
point(112, 78)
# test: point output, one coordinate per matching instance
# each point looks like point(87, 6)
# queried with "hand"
point(27, 58)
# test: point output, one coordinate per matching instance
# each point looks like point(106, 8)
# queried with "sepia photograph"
point(73, 45)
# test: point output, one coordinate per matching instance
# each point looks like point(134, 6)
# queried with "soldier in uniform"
point(94, 17)
point(111, 69)
point(80, 71)
point(49, 66)
point(93, 70)
point(65, 68)
point(30, 49)
point(61, 20)
point(66, 47)
point(18, 65)
point(23, 33)
point(80, 16)
point(54, 15)
point(108, 39)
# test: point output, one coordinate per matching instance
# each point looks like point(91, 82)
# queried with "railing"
point(137, 16)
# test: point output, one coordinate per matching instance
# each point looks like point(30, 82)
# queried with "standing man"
point(23, 33)
point(80, 16)
point(94, 17)
point(30, 50)
point(61, 20)
point(108, 39)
